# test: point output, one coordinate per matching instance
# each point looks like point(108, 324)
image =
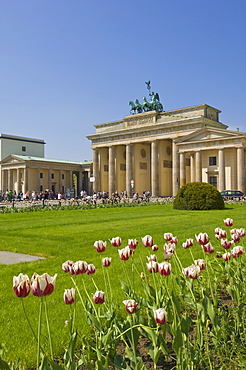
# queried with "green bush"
point(198, 196)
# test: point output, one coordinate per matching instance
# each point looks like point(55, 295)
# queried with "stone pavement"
point(9, 258)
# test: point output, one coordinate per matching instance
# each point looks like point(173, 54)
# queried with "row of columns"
point(178, 168)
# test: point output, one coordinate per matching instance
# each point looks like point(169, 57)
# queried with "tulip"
point(237, 251)
point(99, 297)
point(226, 244)
point(160, 316)
point(233, 231)
point(217, 230)
point(218, 255)
point(192, 271)
point(91, 269)
point(106, 261)
point(165, 268)
point(226, 256)
point(116, 242)
point(21, 285)
point(42, 285)
point(148, 241)
point(208, 248)
point(131, 306)
point(202, 238)
point(152, 257)
point(152, 266)
point(125, 253)
point(79, 267)
point(240, 232)
point(132, 243)
point(174, 240)
point(201, 263)
point(235, 238)
point(222, 234)
point(168, 237)
point(66, 266)
point(169, 248)
point(100, 246)
point(188, 243)
point(228, 222)
point(154, 248)
point(69, 296)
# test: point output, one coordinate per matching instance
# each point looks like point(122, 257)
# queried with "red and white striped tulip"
point(91, 269)
point(237, 251)
point(165, 268)
point(116, 242)
point(241, 232)
point(148, 241)
point(192, 271)
point(217, 230)
point(106, 262)
point(125, 253)
point(169, 248)
point(152, 266)
point(78, 267)
point(235, 238)
point(131, 306)
point(228, 222)
point(152, 257)
point(226, 244)
point(202, 238)
point(100, 246)
point(226, 256)
point(187, 244)
point(174, 240)
point(42, 285)
point(132, 243)
point(208, 248)
point(66, 266)
point(201, 263)
point(222, 234)
point(99, 297)
point(160, 316)
point(168, 237)
point(21, 285)
point(154, 248)
point(69, 296)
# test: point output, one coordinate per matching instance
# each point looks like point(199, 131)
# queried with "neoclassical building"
point(24, 168)
point(161, 152)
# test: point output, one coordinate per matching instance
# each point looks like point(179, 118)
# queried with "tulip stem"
point(74, 283)
point(39, 331)
point(30, 326)
point(48, 327)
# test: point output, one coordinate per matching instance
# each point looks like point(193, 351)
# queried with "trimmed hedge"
point(198, 196)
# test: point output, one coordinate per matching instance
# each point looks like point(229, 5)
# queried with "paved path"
point(9, 258)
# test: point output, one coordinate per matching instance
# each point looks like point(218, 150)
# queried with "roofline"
point(21, 138)
point(42, 159)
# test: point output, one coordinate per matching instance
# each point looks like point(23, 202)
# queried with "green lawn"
point(70, 234)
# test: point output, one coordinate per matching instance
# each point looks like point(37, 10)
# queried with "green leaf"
point(4, 365)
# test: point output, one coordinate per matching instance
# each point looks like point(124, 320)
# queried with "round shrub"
point(198, 196)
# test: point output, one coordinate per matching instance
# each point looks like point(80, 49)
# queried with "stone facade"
point(162, 151)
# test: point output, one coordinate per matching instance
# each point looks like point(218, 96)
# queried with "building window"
point(122, 166)
point(41, 176)
point(41, 188)
point(63, 176)
point(105, 168)
point(212, 161)
point(213, 180)
point(24, 149)
point(52, 176)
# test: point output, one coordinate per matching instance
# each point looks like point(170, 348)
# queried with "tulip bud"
point(201, 263)
point(124, 253)
point(237, 251)
point(202, 238)
point(208, 248)
point(99, 297)
point(152, 257)
point(100, 246)
point(152, 266)
point(116, 242)
point(168, 237)
point(188, 243)
point(106, 261)
point(235, 238)
point(160, 316)
point(222, 234)
point(226, 244)
point(131, 306)
point(79, 267)
point(228, 222)
point(154, 248)
point(192, 271)
point(69, 296)
point(169, 248)
point(132, 243)
point(165, 268)
point(21, 285)
point(217, 230)
point(66, 266)
point(42, 285)
point(148, 241)
point(174, 240)
point(241, 232)
point(91, 269)
point(226, 256)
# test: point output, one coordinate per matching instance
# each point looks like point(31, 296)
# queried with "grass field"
point(70, 235)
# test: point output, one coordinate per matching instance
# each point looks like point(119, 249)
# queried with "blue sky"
point(67, 65)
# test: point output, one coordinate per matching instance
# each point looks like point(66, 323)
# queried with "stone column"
point(154, 169)
point(221, 156)
point(79, 183)
point(49, 179)
point(25, 180)
point(129, 169)
point(198, 166)
point(175, 173)
point(10, 187)
point(37, 180)
point(70, 181)
point(192, 168)
point(60, 181)
point(240, 169)
point(182, 169)
point(111, 170)
point(4, 182)
point(96, 170)
point(18, 180)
